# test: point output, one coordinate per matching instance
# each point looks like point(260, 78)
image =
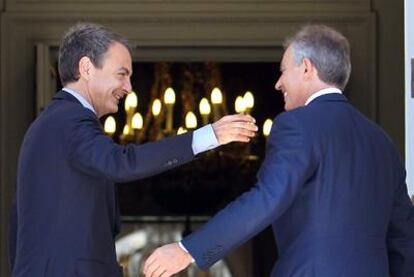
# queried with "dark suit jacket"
point(67, 213)
point(333, 188)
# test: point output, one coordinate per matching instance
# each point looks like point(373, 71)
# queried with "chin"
point(113, 110)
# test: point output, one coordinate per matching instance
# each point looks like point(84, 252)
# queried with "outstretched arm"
point(89, 150)
point(289, 162)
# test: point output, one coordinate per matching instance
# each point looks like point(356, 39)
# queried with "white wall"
point(409, 101)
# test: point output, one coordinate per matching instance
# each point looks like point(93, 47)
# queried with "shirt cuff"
point(204, 139)
point(183, 248)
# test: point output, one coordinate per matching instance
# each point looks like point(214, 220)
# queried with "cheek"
point(287, 80)
point(294, 82)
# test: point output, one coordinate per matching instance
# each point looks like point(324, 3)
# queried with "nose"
point(127, 85)
point(278, 85)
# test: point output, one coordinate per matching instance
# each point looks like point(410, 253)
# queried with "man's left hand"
point(166, 261)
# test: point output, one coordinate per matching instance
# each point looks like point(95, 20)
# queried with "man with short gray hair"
point(332, 184)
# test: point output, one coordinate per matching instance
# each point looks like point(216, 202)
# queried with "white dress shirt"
point(322, 92)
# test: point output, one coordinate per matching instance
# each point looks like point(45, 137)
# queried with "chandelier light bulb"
point(239, 105)
point(204, 106)
point(190, 120)
point(267, 126)
point(216, 96)
point(110, 125)
point(248, 100)
point(169, 96)
point(181, 130)
point(131, 101)
point(126, 130)
point(156, 107)
point(137, 121)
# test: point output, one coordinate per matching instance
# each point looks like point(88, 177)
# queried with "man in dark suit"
point(66, 214)
point(332, 184)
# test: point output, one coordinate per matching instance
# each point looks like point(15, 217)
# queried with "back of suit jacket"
point(333, 187)
point(67, 211)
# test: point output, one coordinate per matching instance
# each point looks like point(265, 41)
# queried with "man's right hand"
point(236, 127)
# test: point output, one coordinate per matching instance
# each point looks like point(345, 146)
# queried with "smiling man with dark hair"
point(66, 213)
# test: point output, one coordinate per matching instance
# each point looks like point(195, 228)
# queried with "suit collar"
point(335, 97)
point(63, 95)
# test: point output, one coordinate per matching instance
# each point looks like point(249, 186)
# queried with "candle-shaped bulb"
point(204, 106)
point(239, 105)
point(131, 101)
point(190, 120)
point(267, 126)
point(169, 96)
point(110, 125)
point(126, 130)
point(156, 107)
point(137, 121)
point(181, 130)
point(248, 100)
point(169, 100)
point(216, 96)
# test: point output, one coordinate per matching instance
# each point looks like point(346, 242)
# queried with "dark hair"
point(327, 49)
point(84, 39)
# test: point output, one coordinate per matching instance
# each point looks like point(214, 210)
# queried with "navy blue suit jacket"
point(333, 188)
point(66, 213)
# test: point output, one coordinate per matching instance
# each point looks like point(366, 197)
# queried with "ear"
point(309, 69)
point(85, 68)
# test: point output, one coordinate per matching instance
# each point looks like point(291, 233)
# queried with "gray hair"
point(85, 40)
point(327, 49)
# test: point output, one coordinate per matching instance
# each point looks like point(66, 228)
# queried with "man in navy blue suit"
point(66, 214)
point(332, 184)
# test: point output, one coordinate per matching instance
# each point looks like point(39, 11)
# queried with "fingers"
point(150, 268)
point(241, 135)
point(233, 134)
point(158, 272)
point(240, 124)
point(238, 117)
point(166, 274)
point(149, 265)
point(238, 127)
point(244, 132)
point(252, 128)
point(166, 260)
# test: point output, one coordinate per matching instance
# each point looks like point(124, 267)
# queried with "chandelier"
point(159, 119)
point(214, 177)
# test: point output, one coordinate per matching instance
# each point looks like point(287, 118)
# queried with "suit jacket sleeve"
point(400, 235)
point(289, 162)
point(90, 151)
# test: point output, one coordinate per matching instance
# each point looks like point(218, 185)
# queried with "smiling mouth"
point(119, 95)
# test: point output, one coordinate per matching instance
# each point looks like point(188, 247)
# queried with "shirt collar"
point(322, 92)
point(80, 98)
